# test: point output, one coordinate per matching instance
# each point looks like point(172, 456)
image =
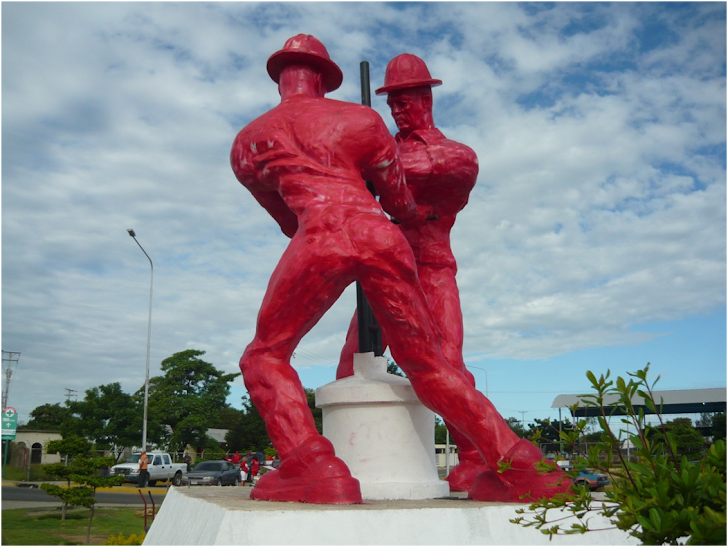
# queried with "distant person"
point(254, 468)
point(236, 458)
point(244, 472)
point(143, 469)
point(188, 461)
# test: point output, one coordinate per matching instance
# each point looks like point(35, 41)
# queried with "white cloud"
point(600, 204)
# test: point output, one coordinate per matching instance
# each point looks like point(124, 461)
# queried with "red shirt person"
point(440, 174)
point(303, 161)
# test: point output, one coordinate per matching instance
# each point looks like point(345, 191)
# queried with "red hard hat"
point(404, 71)
point(308, 50)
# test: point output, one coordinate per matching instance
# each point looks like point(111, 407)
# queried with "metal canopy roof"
point(679, 401)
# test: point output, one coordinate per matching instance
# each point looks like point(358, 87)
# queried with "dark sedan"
point(212, 473)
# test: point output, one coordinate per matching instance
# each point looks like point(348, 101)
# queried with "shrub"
point(133, 539)
point(661, 498)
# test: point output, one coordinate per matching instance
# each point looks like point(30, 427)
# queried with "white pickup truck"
point(160, 468)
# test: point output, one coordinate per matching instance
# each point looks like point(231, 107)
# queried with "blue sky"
point(595, 237)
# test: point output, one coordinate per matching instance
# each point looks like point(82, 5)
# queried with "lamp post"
point(486, 377)
point(149, 339)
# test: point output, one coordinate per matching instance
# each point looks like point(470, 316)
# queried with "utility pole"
point(523, 418)
point(11, 358)
point(69, 393)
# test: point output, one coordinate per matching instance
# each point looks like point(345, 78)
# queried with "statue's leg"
point(304, 285)
point(393, 290)
point(442, 294)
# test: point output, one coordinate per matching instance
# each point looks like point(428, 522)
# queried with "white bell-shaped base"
point(383, 432)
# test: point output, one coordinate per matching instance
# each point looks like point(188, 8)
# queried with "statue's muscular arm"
point(277, 208)
point(385, 170)
point(457, 164)
point(269, 198)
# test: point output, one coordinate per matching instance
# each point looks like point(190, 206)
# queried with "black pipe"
point(370, 334)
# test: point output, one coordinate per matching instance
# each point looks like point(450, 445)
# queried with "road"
point(14, 497)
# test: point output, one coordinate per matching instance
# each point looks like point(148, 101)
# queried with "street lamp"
point(149, 339)
point(486, 377)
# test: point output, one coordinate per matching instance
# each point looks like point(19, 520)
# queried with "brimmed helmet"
point(308, 50)
point(404, 71)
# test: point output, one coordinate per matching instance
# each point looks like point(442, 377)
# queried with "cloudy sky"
point(595, 237)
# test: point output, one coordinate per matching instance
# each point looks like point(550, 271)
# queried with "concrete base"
point(383, 432)
point(213, 515)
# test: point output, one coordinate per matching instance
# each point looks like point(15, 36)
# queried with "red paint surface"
point(440, 173)
point(304, 161)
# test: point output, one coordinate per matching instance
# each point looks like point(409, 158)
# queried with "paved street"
point(16, 495)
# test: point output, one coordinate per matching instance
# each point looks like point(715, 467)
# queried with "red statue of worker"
point(303, 161)
point(440, 174)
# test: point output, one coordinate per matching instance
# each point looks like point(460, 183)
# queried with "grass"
point(40, 526)
point(13, 473)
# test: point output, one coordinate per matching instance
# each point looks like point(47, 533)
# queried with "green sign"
point(10, 423)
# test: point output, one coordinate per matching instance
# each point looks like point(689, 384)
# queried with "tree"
point(108, 416)
point(547, 434)
point(719, 427)
point(705, 420)
point(82, 470)
point(318, 413)
point(393, 368)
point(688, 440)
point(440, 431)
point(517, 427)
point(48, 416)
point(249, 433)
point(227, 419)
point(660, 499)
point(188, 397)
point(78, 450)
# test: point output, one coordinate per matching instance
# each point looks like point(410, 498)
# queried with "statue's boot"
point(310, 474)
point(522, 482)
point(470, 464)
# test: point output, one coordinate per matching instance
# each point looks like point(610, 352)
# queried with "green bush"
point(133, 539)
point(661, 498)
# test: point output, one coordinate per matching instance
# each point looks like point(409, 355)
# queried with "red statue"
point(440, 174)
point(304, 161)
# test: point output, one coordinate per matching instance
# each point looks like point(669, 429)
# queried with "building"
point(31, 444)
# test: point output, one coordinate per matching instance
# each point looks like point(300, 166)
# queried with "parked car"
point(586, 477)
point(213, 473)
point(160, 468)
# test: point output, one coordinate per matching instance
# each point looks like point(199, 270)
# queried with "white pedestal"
point(224, 515)
point(383, 432)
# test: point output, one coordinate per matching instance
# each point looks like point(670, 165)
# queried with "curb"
point(120, 489)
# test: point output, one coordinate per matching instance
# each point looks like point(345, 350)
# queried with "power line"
point(310, 356)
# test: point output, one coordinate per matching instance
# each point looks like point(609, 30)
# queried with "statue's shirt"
point(440, 173)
